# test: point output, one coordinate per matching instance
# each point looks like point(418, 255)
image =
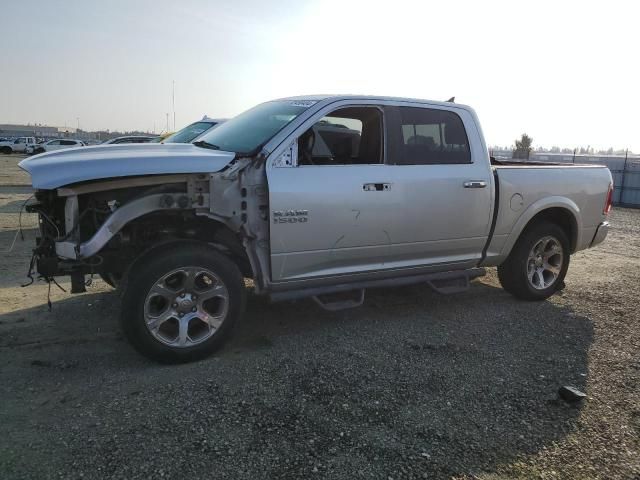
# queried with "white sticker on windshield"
point(303, 103)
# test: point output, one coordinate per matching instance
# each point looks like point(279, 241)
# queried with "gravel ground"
point(411, 385)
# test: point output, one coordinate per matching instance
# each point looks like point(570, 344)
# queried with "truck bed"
point(524, 188)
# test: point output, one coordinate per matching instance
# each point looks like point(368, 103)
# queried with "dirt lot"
point(412, 385)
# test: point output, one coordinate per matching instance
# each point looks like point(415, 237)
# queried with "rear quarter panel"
point(525, 191)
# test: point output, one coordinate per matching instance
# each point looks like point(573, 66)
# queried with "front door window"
point(347, 136)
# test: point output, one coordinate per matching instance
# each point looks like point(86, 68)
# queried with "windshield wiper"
point(203, 144)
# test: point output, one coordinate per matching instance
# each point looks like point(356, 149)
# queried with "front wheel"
point(6, 150)
point(538, 263)
point(180, 304)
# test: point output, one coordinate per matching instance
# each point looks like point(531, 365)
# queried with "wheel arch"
point(169, 246)
point(561, 211)
point(206, 231)
point(563, 218)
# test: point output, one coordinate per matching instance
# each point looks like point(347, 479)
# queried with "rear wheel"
point(538, 263)
point(181, 304)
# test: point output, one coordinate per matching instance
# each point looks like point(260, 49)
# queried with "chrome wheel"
point(545, 262)
point(186, 306)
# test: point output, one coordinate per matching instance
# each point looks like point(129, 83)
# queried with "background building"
point(44, 132)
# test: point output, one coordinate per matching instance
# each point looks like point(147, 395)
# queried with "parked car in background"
point(308, 197)
point(193, 131)
point(160, 138)
point(130, 139)
point(17, 145)
point(56, 144)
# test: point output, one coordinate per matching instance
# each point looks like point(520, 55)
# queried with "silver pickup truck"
point(320, 197)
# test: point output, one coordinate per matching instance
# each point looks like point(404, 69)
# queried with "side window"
point(54, 142)
point(67, 142)
point(431, 137)
point(347, 136)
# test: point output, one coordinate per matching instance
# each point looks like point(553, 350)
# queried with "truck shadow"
point(464, 382)
point(411, 380)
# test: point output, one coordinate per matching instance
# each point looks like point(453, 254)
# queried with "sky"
point(565, 72)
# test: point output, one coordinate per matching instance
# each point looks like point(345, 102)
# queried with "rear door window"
point(430, 136)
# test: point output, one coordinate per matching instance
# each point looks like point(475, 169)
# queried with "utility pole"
point(173, 102)
point(78, 120)
point(167, 122)
point(624, 169)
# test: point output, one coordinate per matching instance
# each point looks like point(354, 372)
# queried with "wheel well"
point(561, 217)
point(162, 228)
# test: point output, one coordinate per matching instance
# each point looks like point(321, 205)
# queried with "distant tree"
point(585, 151)
point(523, 147)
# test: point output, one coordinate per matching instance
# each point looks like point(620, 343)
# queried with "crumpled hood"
point(65, 167)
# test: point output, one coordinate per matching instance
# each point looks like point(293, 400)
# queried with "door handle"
point(475, 184)
point(376, 187)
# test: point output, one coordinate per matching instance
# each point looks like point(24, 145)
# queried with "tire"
point(538, 262)
point(6, 150)
point(188, 319)
point(39, 150)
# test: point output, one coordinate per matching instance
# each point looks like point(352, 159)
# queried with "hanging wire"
point(19, 231)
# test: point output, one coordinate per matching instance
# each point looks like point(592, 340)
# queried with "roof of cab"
point(333, 98)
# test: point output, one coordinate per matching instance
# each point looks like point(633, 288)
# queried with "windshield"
point(255, 127)
point(189, 132)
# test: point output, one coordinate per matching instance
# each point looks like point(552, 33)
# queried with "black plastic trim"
point(494, 219)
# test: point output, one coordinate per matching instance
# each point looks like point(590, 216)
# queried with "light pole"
point(173, 103)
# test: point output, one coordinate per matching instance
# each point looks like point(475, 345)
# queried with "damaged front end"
point(101, 227)
point(54, 228)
